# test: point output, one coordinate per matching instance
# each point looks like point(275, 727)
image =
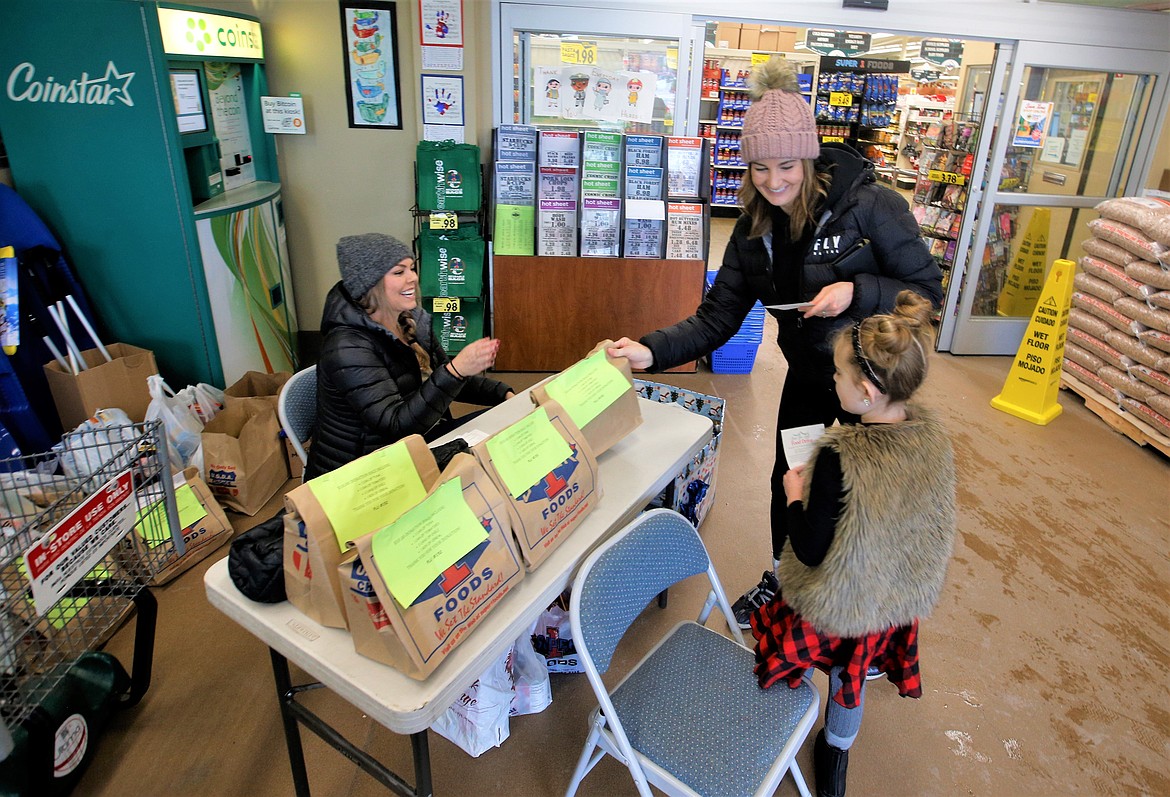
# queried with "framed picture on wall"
point(369, 35)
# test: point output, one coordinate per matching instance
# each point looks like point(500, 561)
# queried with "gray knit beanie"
point(779, 123)
point(365, 259)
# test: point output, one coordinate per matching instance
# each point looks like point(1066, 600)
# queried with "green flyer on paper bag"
point(191, 511)
point(369, 492)
point(527, 451)
point(588, 387)
point(414, 550)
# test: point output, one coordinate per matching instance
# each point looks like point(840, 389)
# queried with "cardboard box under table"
point(119, 383)
point(636, 471)
point(692, 493)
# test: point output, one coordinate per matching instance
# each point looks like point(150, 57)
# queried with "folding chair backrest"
point(297, 408)
point(656, 550)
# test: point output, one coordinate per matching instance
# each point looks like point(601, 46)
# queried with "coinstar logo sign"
point(26, 84)
point(186, 32)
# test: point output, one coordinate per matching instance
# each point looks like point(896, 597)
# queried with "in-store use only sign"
point(73, 547)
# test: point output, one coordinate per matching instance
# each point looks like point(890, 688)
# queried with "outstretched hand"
point(831, 300)
point(639, 355)
point(476, 357)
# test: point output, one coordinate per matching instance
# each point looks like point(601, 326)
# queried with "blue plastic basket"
point(734, 358)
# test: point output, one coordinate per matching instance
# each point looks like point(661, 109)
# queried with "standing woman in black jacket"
point(383, 375)
point(816, 229)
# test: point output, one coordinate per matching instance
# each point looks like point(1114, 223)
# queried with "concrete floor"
point(1044, 666)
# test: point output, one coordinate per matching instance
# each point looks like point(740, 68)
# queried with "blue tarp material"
point(26, 405)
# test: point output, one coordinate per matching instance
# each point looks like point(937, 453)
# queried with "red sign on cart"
point(74, 546)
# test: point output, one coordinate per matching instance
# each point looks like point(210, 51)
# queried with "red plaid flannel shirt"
point(787, 645)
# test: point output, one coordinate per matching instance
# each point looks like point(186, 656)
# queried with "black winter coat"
point(855, 209)
point(370, 390)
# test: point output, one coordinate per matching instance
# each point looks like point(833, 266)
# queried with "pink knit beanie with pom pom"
point(779, 123)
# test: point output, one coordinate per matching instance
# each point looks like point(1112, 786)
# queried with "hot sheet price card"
point(75, 545)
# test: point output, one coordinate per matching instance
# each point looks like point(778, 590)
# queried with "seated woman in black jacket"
point(383, 375)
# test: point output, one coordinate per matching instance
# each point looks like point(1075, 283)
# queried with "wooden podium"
point(548, 312)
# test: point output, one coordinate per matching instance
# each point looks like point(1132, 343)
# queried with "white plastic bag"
point(532, 688)
point(478, 720)
point(102, 441)
point(204, 400)
point(181, 426)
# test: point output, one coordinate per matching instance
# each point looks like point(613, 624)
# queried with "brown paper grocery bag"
point(617, 420)
point(243, 456)
point(120, 383)
point(417, 638)
point(545, 514)
point(201, 536)
point(257, 384)
point(312, 551)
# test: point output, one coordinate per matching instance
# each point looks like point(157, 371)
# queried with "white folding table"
point(632, 473)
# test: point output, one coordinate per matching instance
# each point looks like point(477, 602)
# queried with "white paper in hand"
point(798, 442)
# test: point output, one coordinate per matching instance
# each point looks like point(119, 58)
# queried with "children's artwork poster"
point(441, 23)
point(371, 64)
point(442, 99)
point(581, 92)
point(636, 96)
point(548, 88)
point(1032, 126)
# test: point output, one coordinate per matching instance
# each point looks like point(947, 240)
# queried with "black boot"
point(829, 765)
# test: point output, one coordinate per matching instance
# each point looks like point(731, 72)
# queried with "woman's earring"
point(865, 402)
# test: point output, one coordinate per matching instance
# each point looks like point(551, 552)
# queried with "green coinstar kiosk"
point(135, 131)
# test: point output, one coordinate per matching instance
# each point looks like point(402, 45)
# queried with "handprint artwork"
point(441, 101)
point(440, 28)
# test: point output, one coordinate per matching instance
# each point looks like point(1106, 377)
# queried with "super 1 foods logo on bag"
point(461, 586)
point(558, 489)
point(25, 84)
point(450, 267)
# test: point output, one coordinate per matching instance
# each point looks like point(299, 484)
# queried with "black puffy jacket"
point(370, 390)
point(856, 208)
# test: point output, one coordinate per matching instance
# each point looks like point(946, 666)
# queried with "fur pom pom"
point(775, 73)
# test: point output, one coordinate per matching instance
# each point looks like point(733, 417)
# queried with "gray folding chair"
point(690, 717)
point(297, 408)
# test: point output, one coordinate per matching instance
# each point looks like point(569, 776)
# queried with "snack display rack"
point(75, 560)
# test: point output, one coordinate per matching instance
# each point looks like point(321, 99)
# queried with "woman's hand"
point(476, 357)
point(794, 484)
point(639, 356)
point(831, 301)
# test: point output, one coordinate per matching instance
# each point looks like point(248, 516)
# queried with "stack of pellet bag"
point(1119, 326)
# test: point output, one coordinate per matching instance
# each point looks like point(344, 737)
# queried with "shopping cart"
point(74, 564)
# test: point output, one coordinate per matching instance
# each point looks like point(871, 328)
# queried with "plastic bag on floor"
point(532, 688)
point(181, 425)
point(102, 441)
point(478, 720)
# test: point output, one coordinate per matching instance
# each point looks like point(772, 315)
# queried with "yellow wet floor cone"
point(1031, 387)
point(1023, 283)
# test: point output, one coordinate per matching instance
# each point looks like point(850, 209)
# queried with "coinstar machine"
point(136, 132)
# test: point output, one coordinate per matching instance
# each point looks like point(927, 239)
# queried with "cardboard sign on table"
point(548, 508)
point(598, 392)
point(415, 638)
point(363, 496)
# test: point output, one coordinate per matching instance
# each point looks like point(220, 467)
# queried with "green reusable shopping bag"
point(451, 263)
point(448, 176)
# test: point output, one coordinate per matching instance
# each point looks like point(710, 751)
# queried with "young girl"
point(871, 521)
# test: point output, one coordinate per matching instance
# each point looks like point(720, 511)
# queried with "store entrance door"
point(1077, 126)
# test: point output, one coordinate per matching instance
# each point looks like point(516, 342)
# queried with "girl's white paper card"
point(798, 442)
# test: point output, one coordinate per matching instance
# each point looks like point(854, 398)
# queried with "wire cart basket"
point(81, 525)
